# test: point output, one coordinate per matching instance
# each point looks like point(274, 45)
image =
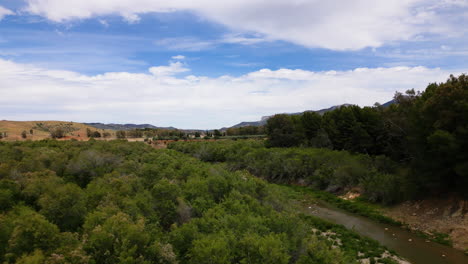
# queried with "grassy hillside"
point(42, 129)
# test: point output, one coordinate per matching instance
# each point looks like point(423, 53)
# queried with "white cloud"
point(241, 39)
point(332, 24)
point(178, 57)
point(185, 44)
point(160, 97)
point(5, 12)
point(172, 69)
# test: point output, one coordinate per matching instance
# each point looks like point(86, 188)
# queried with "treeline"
point(245, 131)
point(154, 134)
point(426, 132)
point(121, 202)
point(380, 178)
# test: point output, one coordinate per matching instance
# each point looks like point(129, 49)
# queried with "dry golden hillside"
point(42, 129)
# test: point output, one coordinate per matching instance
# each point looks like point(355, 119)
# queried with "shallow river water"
point(411, 247)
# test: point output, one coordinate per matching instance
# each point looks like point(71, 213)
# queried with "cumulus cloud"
point(163, 98)
point(332, 24)
point(5, 12)
point(172, 69)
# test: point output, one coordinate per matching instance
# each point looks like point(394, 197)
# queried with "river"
point(415, 249)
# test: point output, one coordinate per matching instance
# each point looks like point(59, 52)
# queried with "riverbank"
point(445, 228)
point(363, 220)
point(432, 216)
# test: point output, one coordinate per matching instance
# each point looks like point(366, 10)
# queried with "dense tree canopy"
point(426, 132)
point(122, 202)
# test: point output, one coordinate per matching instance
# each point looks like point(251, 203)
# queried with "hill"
point(42, 129)
point(125, 126)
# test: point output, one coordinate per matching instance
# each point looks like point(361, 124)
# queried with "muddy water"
point(411, 247)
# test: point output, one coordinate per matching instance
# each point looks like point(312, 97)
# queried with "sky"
point(209, 64)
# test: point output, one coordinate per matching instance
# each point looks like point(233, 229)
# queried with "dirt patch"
point(351, 194)
point(449, 216)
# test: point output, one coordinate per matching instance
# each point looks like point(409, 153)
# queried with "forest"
point(425, 134)
point(126, 202)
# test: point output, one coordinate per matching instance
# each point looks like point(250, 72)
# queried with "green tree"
point(213, 249)
point(284, 131)
point(29, 231)
point(312, 123)
point(64, 206)
point(121, 134)
point(118, 239)
point(57, 133)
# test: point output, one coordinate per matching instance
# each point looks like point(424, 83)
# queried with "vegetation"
point(245, 131)
point(380, 178)
point(426, 133)
point(122, 202)
point(57, 133)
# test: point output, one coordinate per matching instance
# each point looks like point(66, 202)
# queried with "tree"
point(121, 134)
point(29, 231)
point(211, 249)
point(117, 239)
point(89, 133)
point(217, 133)
point(165, 195)
point(197, 134)
point(311, 121)
point(284, 131)
point(96, 134)
point(57, 133)
point(64, 206)
point(24, 134)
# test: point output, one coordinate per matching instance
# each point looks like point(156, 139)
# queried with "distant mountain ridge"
point(264, 119)
point(125, 126)
point(261, 122)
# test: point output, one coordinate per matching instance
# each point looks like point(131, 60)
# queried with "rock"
point(459, 212)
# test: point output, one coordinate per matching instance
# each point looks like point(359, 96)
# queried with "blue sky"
point(213, 64)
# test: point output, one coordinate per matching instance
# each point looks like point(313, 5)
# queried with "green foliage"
point(26, 231)
point(121, 134)
point(245, 131)
point(57, 133)
point(123, 202)
point(320, 168)
point(425, 132)
point(64, 206)
point(284, 131)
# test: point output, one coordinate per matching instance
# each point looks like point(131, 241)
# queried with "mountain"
point(389, 103)
point(264, 119)
point(125, 126)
